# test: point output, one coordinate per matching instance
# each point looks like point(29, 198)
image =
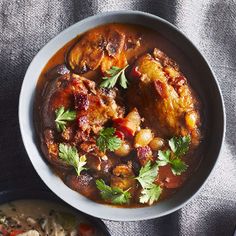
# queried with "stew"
point(116, 118)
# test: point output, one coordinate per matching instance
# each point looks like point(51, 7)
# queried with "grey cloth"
point(25, 26)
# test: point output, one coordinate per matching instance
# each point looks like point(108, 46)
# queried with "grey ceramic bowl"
point(198, 72)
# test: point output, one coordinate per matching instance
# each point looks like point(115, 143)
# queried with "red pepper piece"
point(135, 72)
point(120, 134)
point(125, 126)
point(16, 232)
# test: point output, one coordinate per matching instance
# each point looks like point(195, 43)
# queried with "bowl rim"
point(122, 216)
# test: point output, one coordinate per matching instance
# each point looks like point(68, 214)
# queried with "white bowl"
point(204, 84)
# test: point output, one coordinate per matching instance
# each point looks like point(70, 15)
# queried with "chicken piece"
point(98, 47)
point(94, 107)
point(87, 53)
point(100, 107)
point(58, 93)
point(164, 98)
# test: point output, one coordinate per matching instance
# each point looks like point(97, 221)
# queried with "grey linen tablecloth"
point(25, 26)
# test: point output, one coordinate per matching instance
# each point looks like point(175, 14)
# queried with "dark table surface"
point(25, 26)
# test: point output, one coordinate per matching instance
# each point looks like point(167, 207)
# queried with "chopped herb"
point(164, 157)
point(115, 74)
point(177, 165)
point(62, 117)
point(179, 147)
point(108, 140)
point(71, 157)
point(147, 176)
point(115, 195)
point(150, 194)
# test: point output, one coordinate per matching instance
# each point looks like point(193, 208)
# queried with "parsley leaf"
point(71, 157)
point(106, 190)
point(151, 191)
point(177, 165)
point(164, 157)
point(179, 145)
point(108, 140)
point(115, 195)
point(115, 73)
point(150, 194)
point(147, 174)
point(62, 117)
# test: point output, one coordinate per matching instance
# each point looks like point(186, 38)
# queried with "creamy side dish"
point(42, 218)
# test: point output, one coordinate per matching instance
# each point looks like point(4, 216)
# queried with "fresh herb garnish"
point(150, 194)
point(177, 165)
point(108, 140)
point(70, 155)
point(147, 176)
point(115, 73)
point(179, 147)
point(113, 194)
point(62, 117)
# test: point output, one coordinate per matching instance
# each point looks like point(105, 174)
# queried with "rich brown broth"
point(148, 40)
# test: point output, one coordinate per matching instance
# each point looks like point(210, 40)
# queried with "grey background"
point(25, 26)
